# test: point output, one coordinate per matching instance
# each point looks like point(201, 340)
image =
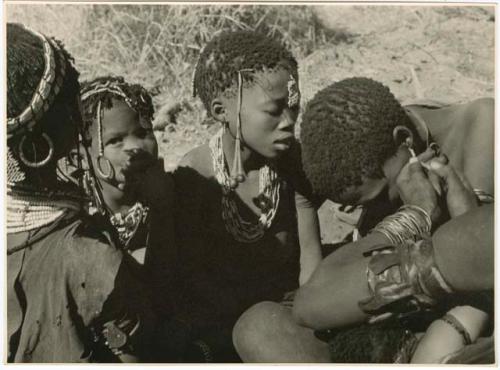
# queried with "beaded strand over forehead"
point(104, 89)
point(98, 94)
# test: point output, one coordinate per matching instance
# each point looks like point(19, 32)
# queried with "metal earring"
point(110, 173)
point(35, 164)
point(238, 174)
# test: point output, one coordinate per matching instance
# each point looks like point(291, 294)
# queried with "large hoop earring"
point(110, 172)
point(35, 164)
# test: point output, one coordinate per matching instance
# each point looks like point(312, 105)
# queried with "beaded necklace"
point(128, 223)
point(269, 196)
point(27, 212)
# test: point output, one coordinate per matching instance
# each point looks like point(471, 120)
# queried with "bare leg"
point(267, 332)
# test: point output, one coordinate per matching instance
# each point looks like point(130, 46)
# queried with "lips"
point(285, 142)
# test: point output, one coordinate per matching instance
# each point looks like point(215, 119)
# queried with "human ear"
point(402, 136)
point(218, 110)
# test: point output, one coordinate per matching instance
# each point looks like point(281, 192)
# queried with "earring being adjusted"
point(110, 173)
point(35, 164)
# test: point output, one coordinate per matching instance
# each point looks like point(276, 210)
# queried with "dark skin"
point(464, 132)
point(329, 300)
point(131, 148)
point(347, 261)
point(267, 131)
point(216, 265)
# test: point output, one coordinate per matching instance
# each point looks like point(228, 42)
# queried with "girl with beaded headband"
point(244, 216)
point(121, 146)
point(131, 189)
point(61, 267)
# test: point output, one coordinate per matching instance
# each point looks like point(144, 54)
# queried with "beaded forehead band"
point(106, 87)
point(113, 88)
point(42, 97)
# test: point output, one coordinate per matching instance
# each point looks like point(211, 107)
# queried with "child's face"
point(128, 140)
point(267, 120)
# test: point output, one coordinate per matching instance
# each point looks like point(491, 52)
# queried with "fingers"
point(415, 169)
point(453, 179)
point(435, 181)
point(445, 172)
point(427, 155)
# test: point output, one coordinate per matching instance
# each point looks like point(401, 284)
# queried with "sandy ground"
point(444, 53)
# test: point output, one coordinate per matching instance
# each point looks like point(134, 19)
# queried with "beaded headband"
point(111, 87)
point(46, 91)
point(106, 87)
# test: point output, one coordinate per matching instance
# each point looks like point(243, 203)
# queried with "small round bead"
point(233, 183)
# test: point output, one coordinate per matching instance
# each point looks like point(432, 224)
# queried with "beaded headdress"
point(49, 86)
point(31, 208)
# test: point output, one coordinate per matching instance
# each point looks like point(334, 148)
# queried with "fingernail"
point(435, 165)
point(413, 160)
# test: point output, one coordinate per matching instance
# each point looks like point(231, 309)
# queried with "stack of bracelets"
point(409, 223)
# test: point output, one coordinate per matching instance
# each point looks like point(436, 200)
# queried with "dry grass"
point(435, 52)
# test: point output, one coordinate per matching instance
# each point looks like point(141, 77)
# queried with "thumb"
point(450, 177)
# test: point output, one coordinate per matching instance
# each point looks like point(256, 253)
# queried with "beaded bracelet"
point(410, 222)
point(457, 325)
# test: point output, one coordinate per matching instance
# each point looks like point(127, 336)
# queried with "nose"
point(134, 146)
point(288, 119)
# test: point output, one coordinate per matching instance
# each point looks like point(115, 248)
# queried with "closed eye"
point(274, 112)
point(143, 132)
point(114, 140)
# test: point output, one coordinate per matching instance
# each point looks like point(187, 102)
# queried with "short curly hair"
point(229, 52)
point(347, 133)
point(92, 92)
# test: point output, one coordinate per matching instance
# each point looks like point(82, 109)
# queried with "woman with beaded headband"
point(247, 229)
point(131, 189)
point(65, 276)
point(394, 271)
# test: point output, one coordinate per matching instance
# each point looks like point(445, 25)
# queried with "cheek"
point(259, 125)
point(114, 155)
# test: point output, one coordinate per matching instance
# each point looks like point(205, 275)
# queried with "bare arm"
point(309, 238)
point(463, 252)
point(330, 298)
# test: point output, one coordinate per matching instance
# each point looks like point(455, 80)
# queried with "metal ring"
point(99, 170)
point(41, 163)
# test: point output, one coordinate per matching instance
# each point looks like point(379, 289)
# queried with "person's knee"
point(255, 325)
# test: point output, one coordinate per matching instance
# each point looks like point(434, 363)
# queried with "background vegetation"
point(433, 52)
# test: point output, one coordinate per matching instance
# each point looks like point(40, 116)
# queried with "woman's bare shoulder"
point(198, 159)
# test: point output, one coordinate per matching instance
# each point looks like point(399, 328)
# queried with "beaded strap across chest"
point(269, 196)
